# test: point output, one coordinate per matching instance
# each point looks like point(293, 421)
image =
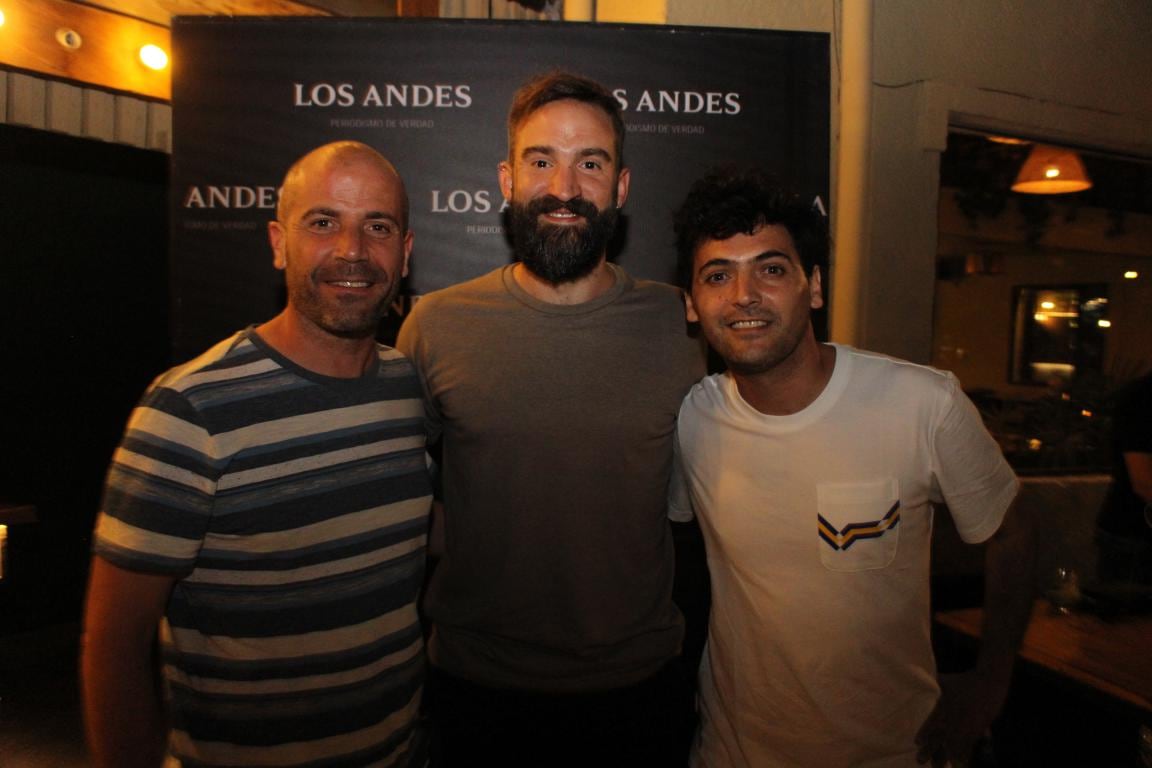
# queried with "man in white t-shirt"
point(814, 469)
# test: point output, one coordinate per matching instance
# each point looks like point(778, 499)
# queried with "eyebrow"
point(332, 213)
point(544, 149)
point(762, 257)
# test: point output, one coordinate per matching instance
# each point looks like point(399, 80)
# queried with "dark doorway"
point(83, 328)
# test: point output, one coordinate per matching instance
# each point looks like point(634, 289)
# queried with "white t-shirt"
point(818, 528)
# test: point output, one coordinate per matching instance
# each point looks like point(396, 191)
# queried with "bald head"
point(335, 155)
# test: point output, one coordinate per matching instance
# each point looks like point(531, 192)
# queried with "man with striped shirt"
point(265, 516)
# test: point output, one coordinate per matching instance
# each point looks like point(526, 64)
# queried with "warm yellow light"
point(1035, 444)
point(1, 18)
point(1086, 413)
point(1131, 274)
point(1051, 171)
point(1047, 305)
point(1039, 317)
point(154, 57)
point(1008, 140)
point(1104, 323)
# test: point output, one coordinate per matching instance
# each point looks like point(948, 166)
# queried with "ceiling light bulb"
point(1051, 173)
point(154, 57)
point(1131, 274)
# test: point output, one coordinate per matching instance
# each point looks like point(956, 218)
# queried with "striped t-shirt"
point(293, 508)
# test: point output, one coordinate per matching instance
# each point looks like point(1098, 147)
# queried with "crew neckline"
point(814, 411)
point(620, 282)
point(370, 374)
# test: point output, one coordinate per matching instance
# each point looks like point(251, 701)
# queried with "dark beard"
point(560, 254)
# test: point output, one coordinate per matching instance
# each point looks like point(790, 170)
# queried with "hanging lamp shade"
point(1051, 171)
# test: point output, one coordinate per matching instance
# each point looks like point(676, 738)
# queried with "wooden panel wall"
point(86, 112)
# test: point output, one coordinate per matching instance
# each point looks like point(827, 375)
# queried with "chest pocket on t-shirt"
point(858, 524)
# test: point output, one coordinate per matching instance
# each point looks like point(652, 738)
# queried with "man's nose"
point(350, 246)
point(563, 183)
point(744, 293)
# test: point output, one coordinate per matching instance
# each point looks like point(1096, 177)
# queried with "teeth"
point(351, 284)
point(748, 324)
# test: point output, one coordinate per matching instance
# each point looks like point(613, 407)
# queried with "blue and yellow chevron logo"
point(841, 540)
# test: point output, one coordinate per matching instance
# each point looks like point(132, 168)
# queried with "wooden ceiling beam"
point(88, 45)
point(162, 11)
point(106, 35)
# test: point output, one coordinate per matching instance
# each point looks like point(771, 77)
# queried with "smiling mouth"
point(562, 214)
point(739, 325)
point(350, 283)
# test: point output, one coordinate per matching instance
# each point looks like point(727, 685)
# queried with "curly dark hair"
point(555, 86)
point(729, 201)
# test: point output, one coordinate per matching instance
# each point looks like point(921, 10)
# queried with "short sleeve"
point(975, 480)
point(158, 495)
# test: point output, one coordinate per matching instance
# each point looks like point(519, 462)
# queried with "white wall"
point(1074, 71)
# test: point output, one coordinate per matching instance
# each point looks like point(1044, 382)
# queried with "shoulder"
point(659, 300)
point(654, 291)
point(491, 283)
point(451, 313)
point(228, 358)
point(707, 395)
point(875, 367)
point(394, 364)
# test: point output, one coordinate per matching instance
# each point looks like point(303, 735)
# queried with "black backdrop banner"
point(250, 95)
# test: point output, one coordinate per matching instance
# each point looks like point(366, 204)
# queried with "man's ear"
point(408, 237)
point(622, 182)
point(276, 239)
point(690, 308)
point(815, 289)
point(505, 172)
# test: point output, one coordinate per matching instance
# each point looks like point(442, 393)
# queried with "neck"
point(792, 385)
point(315, 349)
point(596, 283)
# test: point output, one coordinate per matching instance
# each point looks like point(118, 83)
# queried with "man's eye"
point(381, 229)
point(590, 165)
point(774, 269)
point(321, 224)
point(538, 163)
point(715, 277)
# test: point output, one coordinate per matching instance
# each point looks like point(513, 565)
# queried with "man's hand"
point(967, 706)
point(969, 702)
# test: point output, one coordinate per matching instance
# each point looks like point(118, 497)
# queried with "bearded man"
point(553, 385)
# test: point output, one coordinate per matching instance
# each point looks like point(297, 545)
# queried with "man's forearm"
point(1008, 573)
point(1139, 467)
point(123, 713)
